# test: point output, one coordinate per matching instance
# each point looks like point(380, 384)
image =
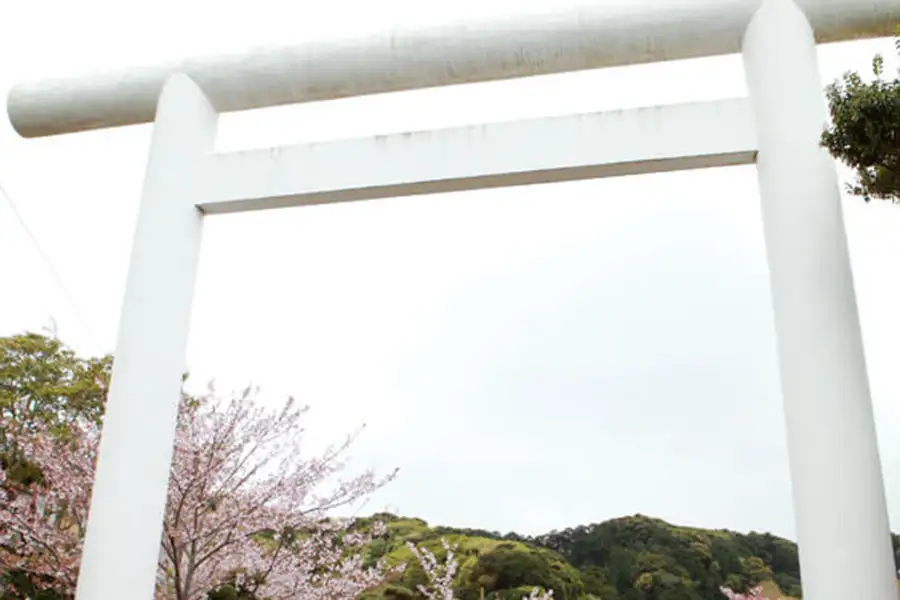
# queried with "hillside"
point(630, 558)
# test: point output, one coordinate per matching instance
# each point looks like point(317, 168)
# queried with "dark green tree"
point(865, 130)
point(509, 568)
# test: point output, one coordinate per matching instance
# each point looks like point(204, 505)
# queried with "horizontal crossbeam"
point(547, 150)
point(599, 33)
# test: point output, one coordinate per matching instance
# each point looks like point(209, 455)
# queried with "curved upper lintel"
point(603, 33)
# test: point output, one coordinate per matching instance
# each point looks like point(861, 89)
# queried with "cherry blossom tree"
point(247, 512)
point(43, 512)
point(440, 574)
point(245, 501)
point(755, 593)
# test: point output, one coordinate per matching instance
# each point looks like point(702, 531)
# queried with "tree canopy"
point(42, 380)
point(865, 130)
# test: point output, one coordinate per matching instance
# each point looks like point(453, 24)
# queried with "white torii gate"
point(839, 502)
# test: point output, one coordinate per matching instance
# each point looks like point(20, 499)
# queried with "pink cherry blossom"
point(42, 523)
point(440, 574)
point(755, 593)
point(245, 507)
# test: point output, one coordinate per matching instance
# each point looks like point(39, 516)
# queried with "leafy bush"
point(865, 131)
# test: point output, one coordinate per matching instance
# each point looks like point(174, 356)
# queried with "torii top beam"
point(599, 34)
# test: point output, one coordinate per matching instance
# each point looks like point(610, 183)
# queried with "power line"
point(73, 304)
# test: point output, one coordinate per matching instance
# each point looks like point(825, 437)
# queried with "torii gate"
point(839, 502)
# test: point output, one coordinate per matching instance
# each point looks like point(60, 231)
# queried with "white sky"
point(532, 358)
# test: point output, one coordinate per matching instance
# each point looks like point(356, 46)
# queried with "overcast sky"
point(532, 358)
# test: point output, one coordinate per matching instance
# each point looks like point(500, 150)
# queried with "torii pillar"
point(839, 502)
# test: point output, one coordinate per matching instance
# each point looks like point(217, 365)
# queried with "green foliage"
point(513, 566)
point(18, 585)
point(43, 381)
point(231, 592)
point(58, 386)
point(632, 558)
point(865, 131)
point(648, 559)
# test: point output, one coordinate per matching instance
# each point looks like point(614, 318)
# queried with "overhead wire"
point(48, 263)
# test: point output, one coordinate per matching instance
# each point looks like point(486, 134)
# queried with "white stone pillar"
point(121, 550)
point(839, 503)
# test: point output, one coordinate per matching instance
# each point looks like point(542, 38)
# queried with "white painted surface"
point(839, 501)
point(839, 498)
point(627, 142)
point(121, 549)
point(597, 34)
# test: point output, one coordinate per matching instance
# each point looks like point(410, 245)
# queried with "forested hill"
point(630, 558)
